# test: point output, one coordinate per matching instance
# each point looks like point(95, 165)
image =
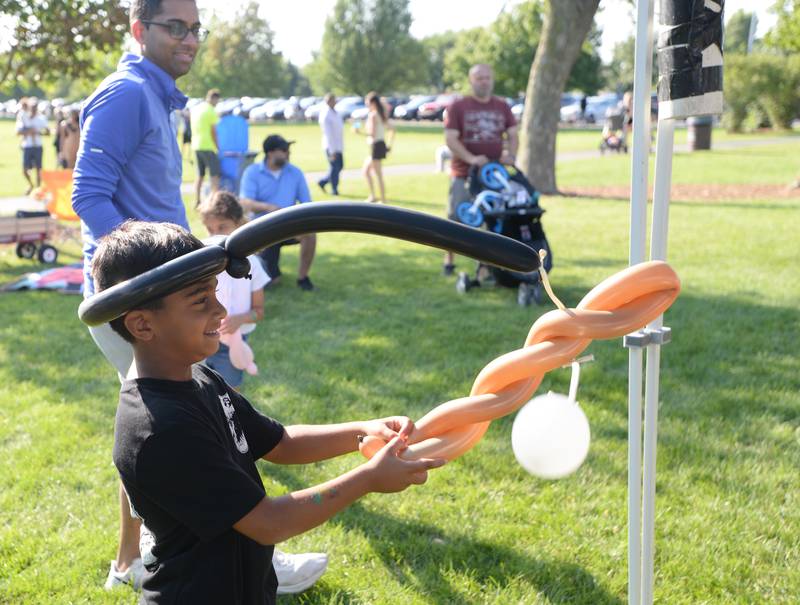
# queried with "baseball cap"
point(276, 141)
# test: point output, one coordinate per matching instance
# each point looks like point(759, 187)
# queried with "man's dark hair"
point(144, 10)
point(134, 248)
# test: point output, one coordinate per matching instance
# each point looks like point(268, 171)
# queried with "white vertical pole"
point(661, 189)
point(634, 474)
point(638, 224)
point(640, 156)
point(658, 251)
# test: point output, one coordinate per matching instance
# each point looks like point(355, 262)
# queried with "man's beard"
point(279, 162)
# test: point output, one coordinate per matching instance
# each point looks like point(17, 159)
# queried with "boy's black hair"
point(144, 10)
point(134, 248)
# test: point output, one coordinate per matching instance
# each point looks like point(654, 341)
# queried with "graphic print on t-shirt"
point(484, 126)
point(233, 424)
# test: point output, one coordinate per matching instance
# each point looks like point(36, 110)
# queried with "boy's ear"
point(138, 323)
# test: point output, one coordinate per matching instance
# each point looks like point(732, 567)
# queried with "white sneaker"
point(298, 572)
point(131, 576)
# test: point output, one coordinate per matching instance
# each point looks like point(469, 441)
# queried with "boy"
point(186, 444)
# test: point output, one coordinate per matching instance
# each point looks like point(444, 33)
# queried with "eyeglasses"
point(178, 30)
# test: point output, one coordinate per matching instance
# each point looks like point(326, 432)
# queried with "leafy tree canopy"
point(42, 41)
point(366, 46)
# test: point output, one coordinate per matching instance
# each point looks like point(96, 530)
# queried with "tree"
point(509, 46)
point(619, 72)
point(785, 36)
point(239, 58)
point(367, 45)
point(587, 73)
point(436, 48)
point(44, 40)
point(737, 32)
point(566, 24)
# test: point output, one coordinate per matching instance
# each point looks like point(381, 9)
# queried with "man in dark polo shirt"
point(479, 128)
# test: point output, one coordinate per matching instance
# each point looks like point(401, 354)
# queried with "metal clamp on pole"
point(647, 336)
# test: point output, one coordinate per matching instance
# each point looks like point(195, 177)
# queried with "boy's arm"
point(277, 519)
point(304, 443)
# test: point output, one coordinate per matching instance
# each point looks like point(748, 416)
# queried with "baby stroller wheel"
point(463, 283)
point(469, 215)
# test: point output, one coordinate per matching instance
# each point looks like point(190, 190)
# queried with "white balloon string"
point(546, 282)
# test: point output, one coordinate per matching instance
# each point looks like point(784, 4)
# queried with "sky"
point(299, 24)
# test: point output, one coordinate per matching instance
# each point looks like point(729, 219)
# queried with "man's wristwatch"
point(253, 315)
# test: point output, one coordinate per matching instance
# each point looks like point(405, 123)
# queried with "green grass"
point(414, 144)
point(385, 334)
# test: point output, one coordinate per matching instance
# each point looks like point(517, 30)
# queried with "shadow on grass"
point(376, 315)
point(423, 558)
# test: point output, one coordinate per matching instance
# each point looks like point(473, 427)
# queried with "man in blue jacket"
point(129, 167)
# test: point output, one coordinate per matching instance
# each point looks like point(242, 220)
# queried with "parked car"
point(249, 104)
point(408, 111)
point(570, 98)
point(266, 111)
point(296, 111)
point(434, 110)
point(346, 106)
point(227, 106)
point(312, 111)
point(596, 108)
point(360, 114)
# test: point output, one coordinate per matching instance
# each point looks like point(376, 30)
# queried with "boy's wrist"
point(252, 315)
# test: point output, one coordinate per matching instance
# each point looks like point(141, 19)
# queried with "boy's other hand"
point(389, 428)
point(390, 473)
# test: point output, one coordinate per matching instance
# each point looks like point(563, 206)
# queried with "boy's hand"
point(390, 473)
point(389, 428)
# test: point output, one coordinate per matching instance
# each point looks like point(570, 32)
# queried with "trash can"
point(699, 132)
point(234, 157)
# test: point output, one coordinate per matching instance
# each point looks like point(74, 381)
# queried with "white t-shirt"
point(39, 122)
point(332, 130)
point(236, 295)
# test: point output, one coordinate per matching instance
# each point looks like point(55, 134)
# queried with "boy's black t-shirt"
point(186, 454)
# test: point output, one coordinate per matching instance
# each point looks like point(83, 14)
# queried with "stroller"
point(614, 138)
point(507, 204)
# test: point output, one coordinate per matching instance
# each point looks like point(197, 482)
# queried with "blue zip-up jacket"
point(129, 163)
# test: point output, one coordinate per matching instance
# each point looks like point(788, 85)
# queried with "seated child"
point(243, 299)
point(186, 444)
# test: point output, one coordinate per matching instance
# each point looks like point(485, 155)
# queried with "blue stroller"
point(507, 203)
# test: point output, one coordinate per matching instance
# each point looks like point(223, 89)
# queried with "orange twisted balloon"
point(621, 304)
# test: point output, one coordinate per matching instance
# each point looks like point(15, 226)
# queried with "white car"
point(596, 108)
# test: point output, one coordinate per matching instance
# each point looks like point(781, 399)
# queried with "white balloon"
point(550, 436)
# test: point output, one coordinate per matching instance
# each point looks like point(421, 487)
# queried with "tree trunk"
point(566, 25)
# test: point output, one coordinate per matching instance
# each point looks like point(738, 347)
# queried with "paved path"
point(567, 156)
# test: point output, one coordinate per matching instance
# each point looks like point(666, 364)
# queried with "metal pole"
point(638, 225)
point(658, 251)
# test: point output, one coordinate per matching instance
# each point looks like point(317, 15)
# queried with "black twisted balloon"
point(231, 254)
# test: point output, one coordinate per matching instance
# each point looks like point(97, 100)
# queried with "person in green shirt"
point(204, 142)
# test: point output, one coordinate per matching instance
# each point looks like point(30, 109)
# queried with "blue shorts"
point(220, 362)
point(32, 158)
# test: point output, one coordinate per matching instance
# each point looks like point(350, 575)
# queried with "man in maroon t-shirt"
point(477, 129)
